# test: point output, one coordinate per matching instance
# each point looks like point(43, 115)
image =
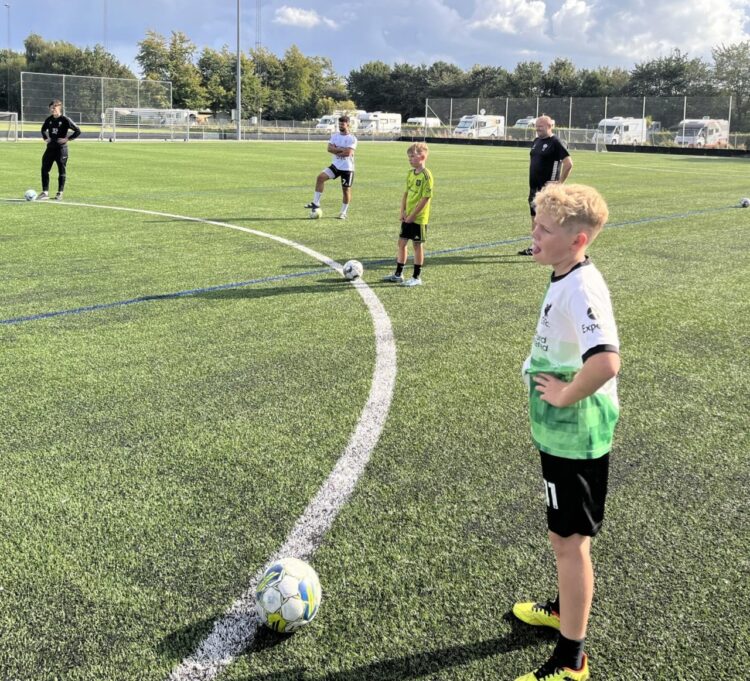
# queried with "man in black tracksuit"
point(56, 131)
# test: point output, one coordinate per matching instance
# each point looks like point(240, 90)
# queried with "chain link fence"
point(87, 98)
point(581, 120)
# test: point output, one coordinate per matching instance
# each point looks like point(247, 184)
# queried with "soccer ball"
point(30, 195)
point(745, 203)
point(353, 269)
point(288, 595)
point(316, 214)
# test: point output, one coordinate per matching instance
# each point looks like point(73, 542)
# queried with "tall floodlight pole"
point(105, 25)
point(239, 78)
point(7, 63)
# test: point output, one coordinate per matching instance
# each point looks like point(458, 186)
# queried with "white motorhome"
point(528, 122)
point(378, 121)
point(702, 132)
point(479, 125)
point(619, 130)
point(424, 122)
point(330, 122)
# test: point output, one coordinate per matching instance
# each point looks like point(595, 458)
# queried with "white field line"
point(235, 631)
point(697, 171)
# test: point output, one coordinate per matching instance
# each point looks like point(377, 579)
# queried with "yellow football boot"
point(537, 614)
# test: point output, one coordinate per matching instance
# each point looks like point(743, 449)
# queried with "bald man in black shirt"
point(56, 131)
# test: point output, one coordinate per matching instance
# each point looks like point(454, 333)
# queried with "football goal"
point(145, 123)
point(8, 126)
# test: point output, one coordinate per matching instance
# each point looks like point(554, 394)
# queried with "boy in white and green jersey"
point(573, 409)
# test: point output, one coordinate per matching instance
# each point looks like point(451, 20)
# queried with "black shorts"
point(575, 491)
point(532, 205)
point(347, 176)
point(414, 231)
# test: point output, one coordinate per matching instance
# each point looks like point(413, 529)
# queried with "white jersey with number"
point(345, 142)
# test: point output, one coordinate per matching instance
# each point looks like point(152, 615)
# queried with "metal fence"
point(86, 98)
point(577, 119)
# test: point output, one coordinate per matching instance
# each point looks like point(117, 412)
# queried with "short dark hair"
point(343, 119)
point(55, 102)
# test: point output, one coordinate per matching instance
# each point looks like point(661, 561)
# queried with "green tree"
point(173, 61)
point(732, 75)
point(674, 75)
point(367, 84)
point(561, 79)
point(487, 81)
point(527, 79)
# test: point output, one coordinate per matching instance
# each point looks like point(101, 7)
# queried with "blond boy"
point(573, 408)
point(415, 214)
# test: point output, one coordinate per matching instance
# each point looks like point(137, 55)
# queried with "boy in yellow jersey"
point(415, 214)
point(573, 409)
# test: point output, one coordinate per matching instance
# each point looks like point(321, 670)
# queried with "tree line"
point(299, 87)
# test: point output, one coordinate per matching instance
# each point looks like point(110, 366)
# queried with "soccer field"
point(182, 369)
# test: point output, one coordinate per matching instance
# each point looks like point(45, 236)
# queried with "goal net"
point(8, 126)
point(145, 123)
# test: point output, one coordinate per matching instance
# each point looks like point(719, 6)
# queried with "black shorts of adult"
point(532, 204)
point(413, 231)
point(347, 176)
point(575, 490)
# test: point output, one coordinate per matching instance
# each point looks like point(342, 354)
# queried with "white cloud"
point(631, 32)
point(509, 16)
point(301, 18)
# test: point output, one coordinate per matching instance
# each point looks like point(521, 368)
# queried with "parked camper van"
point(424, 122)
point(619, 130)
point(378, 121)
point(528, 122)
point(479, 125)
point(330, 122)
point(702, 132)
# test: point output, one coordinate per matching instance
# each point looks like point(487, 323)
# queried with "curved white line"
point(235, 631)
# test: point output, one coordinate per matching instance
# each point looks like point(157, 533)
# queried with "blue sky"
point(495, 32)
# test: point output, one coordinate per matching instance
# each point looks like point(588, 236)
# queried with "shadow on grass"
point(418, 664)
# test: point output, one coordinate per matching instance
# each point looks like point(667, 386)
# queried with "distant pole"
point(7, 63)
point(239, 78)
point(105, 25)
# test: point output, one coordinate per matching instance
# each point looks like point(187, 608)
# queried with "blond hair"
point(418, 149)
point(574, 206)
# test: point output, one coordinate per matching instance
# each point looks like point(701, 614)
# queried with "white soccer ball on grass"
point(30, 195)
point(353, 269)
point(288, 595)
point(745, 202)
point(316, 214)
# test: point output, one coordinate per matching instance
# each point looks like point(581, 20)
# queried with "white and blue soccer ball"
point(745, 202)
point(30, 195)
point(316, 213)
point(353, 269)
point(288, 595)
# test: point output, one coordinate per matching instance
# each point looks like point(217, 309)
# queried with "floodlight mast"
point(239, 78)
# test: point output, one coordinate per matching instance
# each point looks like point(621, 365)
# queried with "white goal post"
point(147, 122)
point(8, 126)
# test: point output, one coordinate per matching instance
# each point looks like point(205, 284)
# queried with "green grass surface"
point(155, 454)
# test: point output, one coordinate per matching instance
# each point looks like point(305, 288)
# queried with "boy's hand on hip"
point(551, 390)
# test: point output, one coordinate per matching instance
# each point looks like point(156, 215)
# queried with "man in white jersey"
point(342, 145)
point(573, 409)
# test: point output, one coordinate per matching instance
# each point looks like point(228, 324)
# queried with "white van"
point(702, 132)
point(619, 130)
point(330, 122)
point(378, 121)
point(424, 122)
point(528, 122)
point(479, 125)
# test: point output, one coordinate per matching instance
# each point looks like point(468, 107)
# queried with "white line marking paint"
point(235, 631)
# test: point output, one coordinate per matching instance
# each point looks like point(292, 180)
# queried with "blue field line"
point(160, 296)
point(320, 270)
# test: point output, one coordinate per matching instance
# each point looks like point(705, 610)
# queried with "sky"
point(591, 33)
